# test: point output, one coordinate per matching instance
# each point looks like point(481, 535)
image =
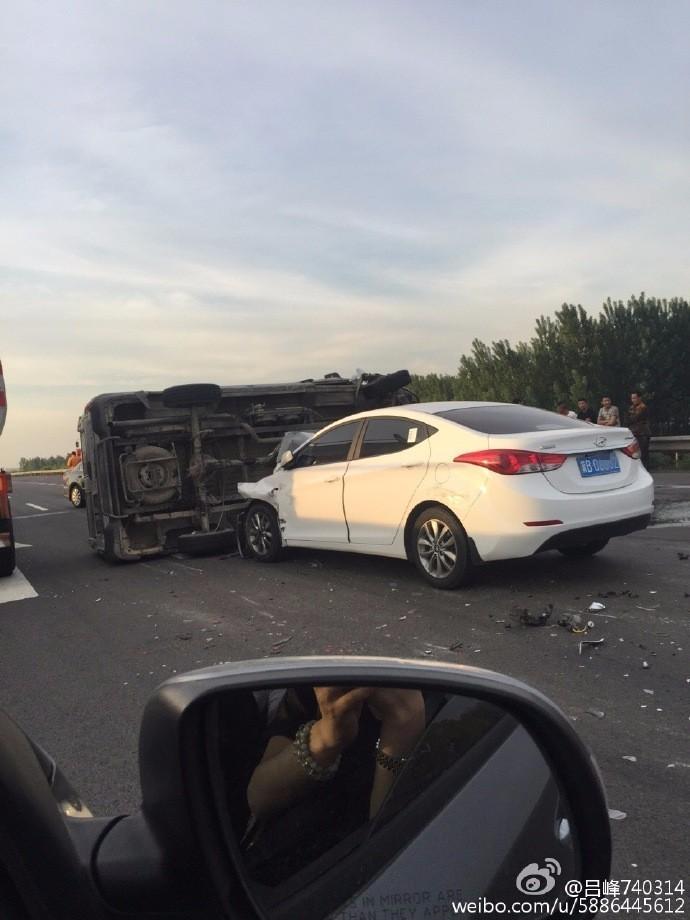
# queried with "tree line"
point(28, 464)
point(643, 345)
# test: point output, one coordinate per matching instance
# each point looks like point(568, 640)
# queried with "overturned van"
point(161, 468)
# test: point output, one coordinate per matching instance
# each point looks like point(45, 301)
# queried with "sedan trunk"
point(595, 459)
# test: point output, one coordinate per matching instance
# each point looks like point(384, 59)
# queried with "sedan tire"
point(587, 549)
point(440, 549)
point(262, 533)
point(76, 496)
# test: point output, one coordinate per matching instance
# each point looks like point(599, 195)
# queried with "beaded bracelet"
point(305, 759)
point(391, 762)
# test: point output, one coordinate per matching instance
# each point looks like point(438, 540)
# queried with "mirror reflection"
point(349, 795)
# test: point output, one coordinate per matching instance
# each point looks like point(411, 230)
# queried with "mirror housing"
point(286, 458)
point(178, 804)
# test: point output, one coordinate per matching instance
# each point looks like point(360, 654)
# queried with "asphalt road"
point(79, 660)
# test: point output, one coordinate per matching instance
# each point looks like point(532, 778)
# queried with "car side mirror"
point(285, 459)
point(320, 787)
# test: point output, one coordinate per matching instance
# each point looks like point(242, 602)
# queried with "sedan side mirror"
point(285, 459)
point(321, 787)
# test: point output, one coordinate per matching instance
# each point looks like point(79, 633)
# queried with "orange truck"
point(6, 532)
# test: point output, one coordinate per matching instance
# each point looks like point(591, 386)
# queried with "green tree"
point(641, 344)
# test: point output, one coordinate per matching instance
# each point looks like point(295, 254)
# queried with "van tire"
point(189, 395)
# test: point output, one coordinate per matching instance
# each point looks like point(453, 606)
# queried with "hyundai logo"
point(600, 441)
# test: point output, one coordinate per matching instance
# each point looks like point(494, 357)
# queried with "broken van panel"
point(161, 468)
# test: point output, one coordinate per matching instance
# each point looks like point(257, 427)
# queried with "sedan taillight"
point(513, 462)
point(632, 450)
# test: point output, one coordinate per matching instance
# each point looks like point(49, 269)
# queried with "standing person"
point(638, 423)
point(562, 409)
point(585, 412)
point(609, 416)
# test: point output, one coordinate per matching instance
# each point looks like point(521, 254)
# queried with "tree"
point(641, 344)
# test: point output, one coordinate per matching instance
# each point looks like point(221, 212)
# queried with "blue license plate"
point(599, 464)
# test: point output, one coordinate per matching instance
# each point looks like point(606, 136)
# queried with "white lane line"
point(22, 545)
point(678, 487)
point(16, 588)
point(37, 507)
point(23, 517)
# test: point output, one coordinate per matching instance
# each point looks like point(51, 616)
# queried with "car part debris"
point(584, 642)
point(573, 622)
point(161, 468)
point(528, 618)
point(278, 646)
point(616, 815)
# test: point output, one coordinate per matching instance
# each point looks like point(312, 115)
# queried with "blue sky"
point(241, 192)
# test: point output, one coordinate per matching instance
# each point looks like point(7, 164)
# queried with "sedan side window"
point(331, 447)
point(390, 435)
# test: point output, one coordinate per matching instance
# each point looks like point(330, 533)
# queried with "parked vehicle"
point(161, 469)
point(7, 550)
point(450, 485)
point(440, 783)
point(73, 485)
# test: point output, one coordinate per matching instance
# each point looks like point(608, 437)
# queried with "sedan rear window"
point(510, 419)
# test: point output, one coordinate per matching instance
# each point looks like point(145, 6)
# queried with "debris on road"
point(684, 555)
point(630, 758)
point(584, 642)
point(648, 609)
point(527, 618)
point(596, 712)
point(455, 646)
point(278, 646)
point(645, 664)
point(573, 622)
point(616, 815)
point(650, 692)
point(597, 605)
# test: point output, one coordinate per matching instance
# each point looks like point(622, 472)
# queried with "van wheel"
point(262, 533)
point(587, 549)
point(440, 549)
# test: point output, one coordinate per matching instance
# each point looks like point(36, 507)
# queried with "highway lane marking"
point(678, 487)
point(23, 517)
point(37, 507)
point(16, 588)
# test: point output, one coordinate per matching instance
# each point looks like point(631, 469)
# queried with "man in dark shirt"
point(638, 423)
point(585, 413)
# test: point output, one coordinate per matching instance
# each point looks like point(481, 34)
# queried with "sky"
point(241, 192)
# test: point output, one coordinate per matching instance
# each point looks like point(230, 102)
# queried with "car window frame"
point(294, 463)
point(430, 431)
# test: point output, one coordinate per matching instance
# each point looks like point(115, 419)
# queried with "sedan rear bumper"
point(580, 536)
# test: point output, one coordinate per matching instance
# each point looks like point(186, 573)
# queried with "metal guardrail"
point(37, 473)
point(672, 444)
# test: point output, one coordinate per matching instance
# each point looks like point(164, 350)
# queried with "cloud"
point(247, 193)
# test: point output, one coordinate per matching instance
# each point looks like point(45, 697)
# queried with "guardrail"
point(675, 444)
point(38, 473)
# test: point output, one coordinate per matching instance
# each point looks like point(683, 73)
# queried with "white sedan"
point(450, 485)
